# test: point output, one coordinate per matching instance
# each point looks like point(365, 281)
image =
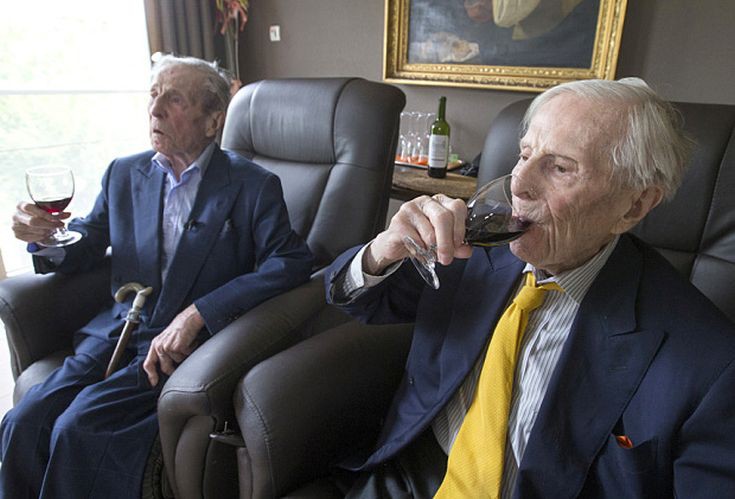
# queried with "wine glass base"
point(428, 273)
point(56, 241)
point(424, 261)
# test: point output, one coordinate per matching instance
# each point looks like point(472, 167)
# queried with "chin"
point(516, 248)
point(523, 247)
point(157, 146)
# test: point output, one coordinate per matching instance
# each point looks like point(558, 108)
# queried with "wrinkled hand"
point(174, 344)
point(31, 223)
point(436, 220)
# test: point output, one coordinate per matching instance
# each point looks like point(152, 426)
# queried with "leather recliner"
point(341, 381)
point(332, 142)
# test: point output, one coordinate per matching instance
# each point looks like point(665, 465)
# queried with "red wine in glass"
point(490, 222)
point(492, 226)
point(52, 188)
point(53, 206)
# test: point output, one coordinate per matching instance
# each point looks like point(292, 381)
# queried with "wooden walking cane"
point(131, 320)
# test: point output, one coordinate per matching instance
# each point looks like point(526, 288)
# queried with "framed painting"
point(522, 45)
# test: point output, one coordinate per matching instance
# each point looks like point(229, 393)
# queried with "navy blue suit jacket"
point(648, 357)
point(238, 251)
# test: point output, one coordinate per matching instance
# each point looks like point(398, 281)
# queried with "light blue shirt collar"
point(201, 163)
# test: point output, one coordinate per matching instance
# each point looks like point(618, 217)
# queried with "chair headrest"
point(289, 119)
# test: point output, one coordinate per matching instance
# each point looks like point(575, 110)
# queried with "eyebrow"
point(555, 155)
point(567, 158)
point(170, 91)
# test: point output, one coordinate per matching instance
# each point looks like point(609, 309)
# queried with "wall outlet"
point(275, 33)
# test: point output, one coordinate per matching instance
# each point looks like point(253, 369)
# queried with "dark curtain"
point(183, 27)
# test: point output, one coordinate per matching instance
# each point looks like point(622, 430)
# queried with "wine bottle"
point(439, 143)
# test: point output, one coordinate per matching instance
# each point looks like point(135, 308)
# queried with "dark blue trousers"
point(78, 436)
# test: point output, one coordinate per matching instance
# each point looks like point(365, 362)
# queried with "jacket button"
point(410, 380)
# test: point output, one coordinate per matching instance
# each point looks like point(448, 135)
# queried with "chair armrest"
point(313, 405)
point(197, 399)
point(42, 312)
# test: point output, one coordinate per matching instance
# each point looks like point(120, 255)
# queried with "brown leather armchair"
point(340, 382)
point(332, 142)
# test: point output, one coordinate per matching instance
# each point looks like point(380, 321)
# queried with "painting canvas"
point(512, 44)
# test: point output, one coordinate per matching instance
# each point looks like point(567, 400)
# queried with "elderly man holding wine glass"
point(207, 231)
point(573, 361)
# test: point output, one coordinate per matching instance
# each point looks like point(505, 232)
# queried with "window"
point(74, 80)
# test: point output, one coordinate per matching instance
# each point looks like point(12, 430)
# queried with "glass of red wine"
point(490, 222)
point(51, 188)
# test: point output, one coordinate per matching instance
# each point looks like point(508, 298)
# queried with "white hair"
point(216, 96)
point(650, 148)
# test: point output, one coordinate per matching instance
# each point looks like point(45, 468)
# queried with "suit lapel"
point(599, 370)
point(480, 298)
point(211, 208)
point(476, 295)
point(147, 187)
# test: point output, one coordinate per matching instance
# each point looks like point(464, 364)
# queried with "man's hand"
point(427, 220)
point(174, 344)
point(31, 223)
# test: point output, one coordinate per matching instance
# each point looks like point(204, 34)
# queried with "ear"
point(641, 204)
point(215, 122)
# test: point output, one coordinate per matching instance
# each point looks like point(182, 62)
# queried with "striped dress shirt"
point(547, 331)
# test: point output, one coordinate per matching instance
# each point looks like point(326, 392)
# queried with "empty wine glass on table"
point(414, 135)
point(404, 141)
point(490, 222)
point(52, 189)
point(418, 152)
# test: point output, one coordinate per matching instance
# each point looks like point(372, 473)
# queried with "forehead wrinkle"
point(182, 80)
point(579, 128)
point(544, 137)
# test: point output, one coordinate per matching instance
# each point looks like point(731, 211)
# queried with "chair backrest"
point(695, 231)
point(332, 142)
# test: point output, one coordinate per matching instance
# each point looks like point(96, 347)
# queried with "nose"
point(522, 185)
point(155, 107)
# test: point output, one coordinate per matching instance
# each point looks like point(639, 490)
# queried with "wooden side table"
point(409, 183)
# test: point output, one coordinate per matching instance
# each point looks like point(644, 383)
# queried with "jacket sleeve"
point(393, 301)
point(705, 462)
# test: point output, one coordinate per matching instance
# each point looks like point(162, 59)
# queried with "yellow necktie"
point(475, 466)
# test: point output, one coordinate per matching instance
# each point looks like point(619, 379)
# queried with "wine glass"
point(51, 188)
point(418, 144)
point(404, 153)
point(490, 222)
point(413, 135)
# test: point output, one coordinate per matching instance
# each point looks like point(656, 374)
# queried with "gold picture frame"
point(428, 42)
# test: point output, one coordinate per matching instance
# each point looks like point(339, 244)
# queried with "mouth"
point(153, 126)
point(520, 224)
point(526, 215)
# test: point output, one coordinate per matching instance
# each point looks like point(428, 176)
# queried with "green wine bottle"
point(439, 143)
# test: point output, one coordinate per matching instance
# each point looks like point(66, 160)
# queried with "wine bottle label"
point(438, 151)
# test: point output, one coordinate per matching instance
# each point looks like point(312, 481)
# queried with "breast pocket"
point(227, 229)
point(638, 459)
point(226, 237)
point(621, 471)
point(225, 259)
